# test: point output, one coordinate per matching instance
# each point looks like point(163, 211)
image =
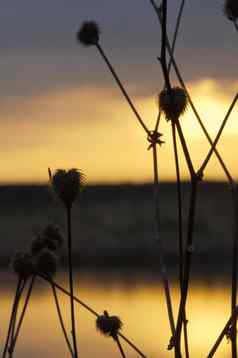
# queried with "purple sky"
point(39, 51)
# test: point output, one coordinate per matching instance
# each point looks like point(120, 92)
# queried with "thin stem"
point(132, 345)
point(168, 85)
point(183, 85)
point(162, 58)
point(236, 25)
point(12, 317)
point(180, 232)
point(67, 293)
point(185, 149)
point(71, 286)
point(13, 343)
point(156, 8)
point(179, 200)
point(187, 259)
point(122, 88)
point(222, 334)
point(185, 328)
point(163, 43)
point(158, 240)
point(61, 319)
point(213, 147)
point(91, 310)
point(234, 272)
point(15, 315)
point(158, 121)
point(178, 22)
point(180, 13)
point(120, 347)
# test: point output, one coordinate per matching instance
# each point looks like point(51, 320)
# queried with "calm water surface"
point(137, 298)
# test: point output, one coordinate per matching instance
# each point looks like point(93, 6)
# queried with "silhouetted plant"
point(41, 257)
point(110, 326)
point(173, 101)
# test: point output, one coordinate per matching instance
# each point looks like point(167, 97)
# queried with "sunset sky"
point(60, 107)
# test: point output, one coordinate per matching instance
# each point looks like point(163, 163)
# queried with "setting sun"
point(93, 129)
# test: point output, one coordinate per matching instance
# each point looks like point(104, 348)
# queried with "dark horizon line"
point(109, 184)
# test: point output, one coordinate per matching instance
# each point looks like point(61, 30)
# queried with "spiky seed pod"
point(231, 9)
point(88, 33)
point(108, 325)
point(173, 103)
point(22, 264)
point(46, 262)
point(67, 185)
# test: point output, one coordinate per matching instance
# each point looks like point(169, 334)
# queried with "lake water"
point(136, 297)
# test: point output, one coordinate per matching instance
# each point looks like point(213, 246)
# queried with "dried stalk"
point(187, 258)
point(71, 284)
point(91, 310)
point(213, 147)
point(223, 333)
point(180, 233)
point(14, 306)
point(122, 88)
point(183, 85)
point(61, 319)
point(163, 268)
point(28, 295)
point(234, 273)
point(120, 347)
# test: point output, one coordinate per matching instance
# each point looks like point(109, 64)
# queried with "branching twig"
point(122, 88)
point(182, 83)
point(234, 272)
point(71, 284)
point(223, 333)
point(14, 305)
point(180, 232)
point(187, 259)
point(163, 63)
point(213, 147)
point(91, 310)
point(179, 17)
point(163, 268)
point(28, 295)
point(15, 316)
point(120, 346)
point(61, 319)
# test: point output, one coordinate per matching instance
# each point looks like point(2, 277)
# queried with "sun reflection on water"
point(139, 303)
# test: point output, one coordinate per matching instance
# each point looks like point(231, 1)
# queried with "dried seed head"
point(231, 9)
point(22, 264)
point(50, 238)
point(67, 185)
point(46, 262)
point(108, 325)
point(88, 33)
point(37, 244)
point(173, 103)
point(53, 237)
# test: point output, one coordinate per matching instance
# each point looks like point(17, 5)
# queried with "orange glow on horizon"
point(94, 130)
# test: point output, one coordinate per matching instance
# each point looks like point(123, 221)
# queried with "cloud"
point(40, 53)
point(93, 128)
point(60, 105)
